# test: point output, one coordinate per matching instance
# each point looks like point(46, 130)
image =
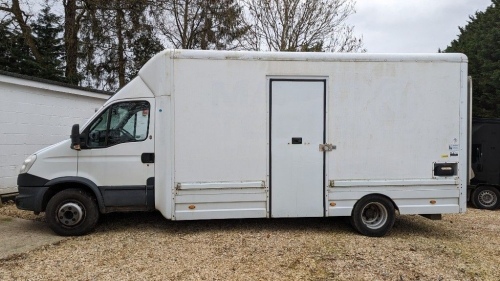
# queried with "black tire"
point(486, 197)
point(373, 215)
point(72, 212)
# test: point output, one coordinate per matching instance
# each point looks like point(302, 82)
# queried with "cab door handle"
point(148, 158)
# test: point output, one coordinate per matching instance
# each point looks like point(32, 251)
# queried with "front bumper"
point(31, 189)
point(31, 198)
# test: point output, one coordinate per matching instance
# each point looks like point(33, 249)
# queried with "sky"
point(411, 26)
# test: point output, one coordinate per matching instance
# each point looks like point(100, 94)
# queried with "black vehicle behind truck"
point(484, 189)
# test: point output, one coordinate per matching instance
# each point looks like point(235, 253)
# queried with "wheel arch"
point(375, 194)
point(497, 187)
point(58, 184)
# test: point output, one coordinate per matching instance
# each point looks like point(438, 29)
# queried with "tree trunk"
point(121, 47)
point(71, 41)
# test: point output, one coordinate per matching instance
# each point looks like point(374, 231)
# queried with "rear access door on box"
point(297, 165)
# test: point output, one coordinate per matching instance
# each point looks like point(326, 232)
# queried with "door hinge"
point(327, 147)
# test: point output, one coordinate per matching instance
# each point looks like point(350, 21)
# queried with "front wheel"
point(373, 215)
point(72, 212)
point(486, 197)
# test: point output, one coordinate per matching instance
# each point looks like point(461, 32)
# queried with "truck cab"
point(107, 166)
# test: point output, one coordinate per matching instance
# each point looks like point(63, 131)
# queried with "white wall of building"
point(33, 115)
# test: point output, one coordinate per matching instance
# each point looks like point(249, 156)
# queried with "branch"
point(26, 30)
point(5, 9)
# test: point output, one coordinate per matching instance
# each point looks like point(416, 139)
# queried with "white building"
point(35, 113)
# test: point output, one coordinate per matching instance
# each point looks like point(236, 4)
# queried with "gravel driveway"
point(145, 246)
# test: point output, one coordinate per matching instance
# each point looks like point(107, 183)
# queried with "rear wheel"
point(486, 197)
point(373, 215)
point(72, 212)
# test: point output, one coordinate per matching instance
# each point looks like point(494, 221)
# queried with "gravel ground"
point(145, 246)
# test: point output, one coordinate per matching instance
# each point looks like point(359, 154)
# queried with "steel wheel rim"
point(374, 215)
point(487, 198)
point(71, 213)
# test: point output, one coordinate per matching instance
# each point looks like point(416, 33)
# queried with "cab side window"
point(120, 123)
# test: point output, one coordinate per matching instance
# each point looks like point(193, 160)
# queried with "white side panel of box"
point(221, 112)
point(393, 120)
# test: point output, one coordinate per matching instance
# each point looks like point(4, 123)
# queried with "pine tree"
point(480, 41)
point(6, 45)
point(144, 45)
point(17, 56)
point(223, 25)
point(117, 39)
point(47, 32)
point(14, 52)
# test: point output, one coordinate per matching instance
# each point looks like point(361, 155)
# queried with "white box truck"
point(227, 134)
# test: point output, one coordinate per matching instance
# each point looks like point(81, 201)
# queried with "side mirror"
point(75, 137)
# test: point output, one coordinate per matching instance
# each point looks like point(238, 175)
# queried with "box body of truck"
point(273, 135)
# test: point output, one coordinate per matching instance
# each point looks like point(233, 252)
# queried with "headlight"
point(27, 164)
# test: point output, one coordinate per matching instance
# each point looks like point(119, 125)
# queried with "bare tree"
point(302, 25)
point(201, 24)
point(180, 21)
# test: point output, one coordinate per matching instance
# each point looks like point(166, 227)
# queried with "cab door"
point(118, 154)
